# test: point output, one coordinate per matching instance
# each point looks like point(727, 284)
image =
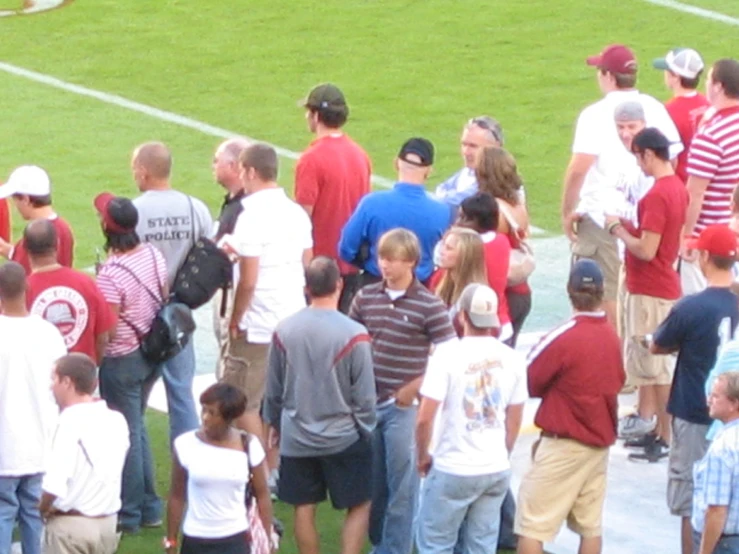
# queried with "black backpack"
point(171, 328)
point(206, 269)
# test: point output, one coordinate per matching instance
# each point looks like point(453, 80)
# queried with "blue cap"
point(585, 274)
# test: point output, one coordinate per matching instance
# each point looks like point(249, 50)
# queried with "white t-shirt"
point(216, 486)
point(28, 350)
point(475, 379)
point(278, 231)
point(85, 465)
point(615, 169)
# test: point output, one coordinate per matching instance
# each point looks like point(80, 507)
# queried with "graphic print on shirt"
point(172, 228)
point(66, 309)
point(482, 396)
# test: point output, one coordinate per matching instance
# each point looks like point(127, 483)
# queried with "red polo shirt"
point(332, 175)
point(577, 371)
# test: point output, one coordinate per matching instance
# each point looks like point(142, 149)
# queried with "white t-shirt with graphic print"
point(475, 379)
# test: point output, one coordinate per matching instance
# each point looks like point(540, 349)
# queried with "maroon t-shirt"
point(661, 211)
point(64, 249)
point(577, 371)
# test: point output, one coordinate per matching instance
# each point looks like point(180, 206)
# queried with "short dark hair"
point(231, 401)
point(80, 369)
point(726, 73)
point(481, 210)
point(262, 158)
point(586, 299)
point(36, 201)
point(688, 83)
point(623, 80)
point(722, 262)
point(12, 281)
point(333, 117)
point(39, 237)
point(322, 277)
point(120, 242)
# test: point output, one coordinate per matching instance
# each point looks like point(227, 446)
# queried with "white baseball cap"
point(30, 180)
point(480, 303)
point(684, 62)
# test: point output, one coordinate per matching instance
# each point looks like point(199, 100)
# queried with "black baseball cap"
point(421, 148)
point(584, 275)
point(325, 96)
point(651, 138)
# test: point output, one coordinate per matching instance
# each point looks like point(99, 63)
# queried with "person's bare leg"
point(686, 536)
point(354, 532)
point(306, 534)
point(250, 422)
point(664, 419)
point(610, 307)
point(527, 545)
point(590, 545)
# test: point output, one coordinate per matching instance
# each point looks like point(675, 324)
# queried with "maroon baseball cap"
point(118, 214)
point(717, 240)
point(615, 58)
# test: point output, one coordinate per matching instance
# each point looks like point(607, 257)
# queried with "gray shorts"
point(689, 444)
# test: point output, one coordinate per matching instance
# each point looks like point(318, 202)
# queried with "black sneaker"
point(652, 453)
point(641, 442)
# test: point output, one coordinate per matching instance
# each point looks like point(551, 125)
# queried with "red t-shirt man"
point(65, 246)
point(332, 176)
point(686, 112)
point(71, 301)
point(662, 211)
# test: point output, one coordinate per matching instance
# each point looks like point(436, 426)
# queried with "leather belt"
point(77, 513)
point(549, 435)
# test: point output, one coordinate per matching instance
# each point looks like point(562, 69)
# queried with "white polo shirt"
point(475, 379)
point(28, 350)
point(86, 461)
point(615, 171)
point(277, 231)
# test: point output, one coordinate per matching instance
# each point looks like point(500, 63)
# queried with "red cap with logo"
point(615, 58)
point(717, 240)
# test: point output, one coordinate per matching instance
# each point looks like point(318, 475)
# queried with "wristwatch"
point(167, 543)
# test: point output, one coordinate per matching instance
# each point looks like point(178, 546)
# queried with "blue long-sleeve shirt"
point(406, 205)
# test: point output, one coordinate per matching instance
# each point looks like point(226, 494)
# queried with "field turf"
point(407, 67)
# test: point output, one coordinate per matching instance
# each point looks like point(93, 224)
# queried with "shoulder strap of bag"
point(506, 211)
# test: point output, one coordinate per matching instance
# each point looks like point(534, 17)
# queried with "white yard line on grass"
point(695, 10)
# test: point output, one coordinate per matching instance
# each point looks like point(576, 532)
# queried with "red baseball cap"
point(615, 58)
point(119, 215)
point(718, 240)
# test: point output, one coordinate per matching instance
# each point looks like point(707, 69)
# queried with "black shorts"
point(346, 475)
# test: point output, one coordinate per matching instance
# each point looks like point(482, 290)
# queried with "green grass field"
point(407, 67)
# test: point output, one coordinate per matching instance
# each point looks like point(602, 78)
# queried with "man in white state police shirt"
point(82, 485)
point(594, 171)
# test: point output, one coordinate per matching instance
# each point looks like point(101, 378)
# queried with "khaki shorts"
point(597, 244)
point(689, 444)
point(244, 365)
point(642, 316)
point(567, 481)
point(692, 279)
point(220, 324)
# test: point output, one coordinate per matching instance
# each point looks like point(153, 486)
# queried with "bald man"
point(226, 169)
point(172, 221)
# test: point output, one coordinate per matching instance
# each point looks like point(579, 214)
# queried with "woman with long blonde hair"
point(497, 174)
point(462, 262)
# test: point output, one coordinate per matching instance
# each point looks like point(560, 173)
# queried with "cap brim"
point(8, 189)
point(102, 200)
point(484, 321)
point(692, 244)
point(660, 63)
point(594, 61)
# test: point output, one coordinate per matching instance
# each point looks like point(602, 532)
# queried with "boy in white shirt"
point(480, 385)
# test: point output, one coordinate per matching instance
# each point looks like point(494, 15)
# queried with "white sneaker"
point(634, 426)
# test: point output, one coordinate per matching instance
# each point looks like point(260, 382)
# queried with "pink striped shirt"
point(120, 288)
point(714, 155)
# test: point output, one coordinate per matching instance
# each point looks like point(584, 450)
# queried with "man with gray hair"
point(226, 173)
point(478, 133)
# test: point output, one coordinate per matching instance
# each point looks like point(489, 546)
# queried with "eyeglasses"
point(490, 125)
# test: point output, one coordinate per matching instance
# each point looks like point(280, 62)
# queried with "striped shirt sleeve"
point(438, 324)
point(704, 157)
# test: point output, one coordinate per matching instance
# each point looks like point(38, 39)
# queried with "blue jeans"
point(125, 383)
point(727, 545)
point(394, 480)
point(448, 500)
point(19, 498)
point(178, 374)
